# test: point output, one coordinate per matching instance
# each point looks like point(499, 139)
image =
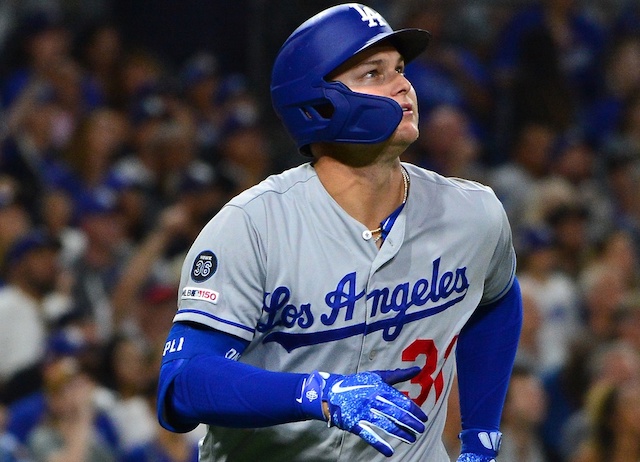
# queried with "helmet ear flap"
point(344, 116)
point(360, 117)
point(319, 110)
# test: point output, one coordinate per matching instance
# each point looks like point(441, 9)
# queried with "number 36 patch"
point(204, 266)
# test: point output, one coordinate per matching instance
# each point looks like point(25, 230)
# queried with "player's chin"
point(406, 133)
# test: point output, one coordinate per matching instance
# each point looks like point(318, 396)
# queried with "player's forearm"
point(217, 391)
point(199, 384)
point(485, 353)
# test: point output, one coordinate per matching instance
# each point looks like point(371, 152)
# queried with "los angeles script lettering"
point(342, 300)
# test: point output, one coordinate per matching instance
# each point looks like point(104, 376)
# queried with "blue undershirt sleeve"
point(201, 382)
point(485, 354)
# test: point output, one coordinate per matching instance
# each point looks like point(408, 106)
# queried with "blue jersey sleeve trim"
point(485, 354)
point(216, 318)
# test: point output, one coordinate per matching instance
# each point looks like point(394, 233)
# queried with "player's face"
point(380, 71)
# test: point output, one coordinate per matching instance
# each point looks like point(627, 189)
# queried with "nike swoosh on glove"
point(366, 404)
point(479, 445)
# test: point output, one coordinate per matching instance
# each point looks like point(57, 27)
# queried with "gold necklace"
point(378, 230)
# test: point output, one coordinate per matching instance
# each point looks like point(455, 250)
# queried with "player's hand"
point(470, 457)
point(479, 445)
point(366, 405)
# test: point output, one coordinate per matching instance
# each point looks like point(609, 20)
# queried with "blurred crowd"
point(112, 159)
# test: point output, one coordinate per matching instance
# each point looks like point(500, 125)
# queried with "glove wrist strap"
point(480, 442)
point(310, 398)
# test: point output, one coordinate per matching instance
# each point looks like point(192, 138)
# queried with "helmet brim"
point(409, 42)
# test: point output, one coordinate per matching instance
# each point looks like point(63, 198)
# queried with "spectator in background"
point(42, 41)
point(49, 67)
point(140, 72)
point(574, 161)
point(620, 251)
point(26, 312)
point(604, 117)
point(73, 342)
point(452, 75)
point(95, 145)
point(628, 130)
point(578, 40)
point(147, 267)
point(603, 290)
point(244, 152)
point(546, 195)
point(100, 49)
point(166, 446)
point(540, 92)
point(70, 430)
point(627, 19)
point(628, 320)
point(158, 310)
point(97, 269)
point(606, 281)
point(545, 66)
point(75, 98)
point(553, 293)
point(127, 373)
point(622, 181)
point(176, 152)
point(447, 144)
point(140, 168)
point(612, 429)
point(57, 214)
point(566, 388)
point(15, 220)
point(529, 344)
point(201, 81)
point(569, 224)
point(613, 363)
point(30, 153)
point(202, 192)
point(515, 181)
point(11, 449)
point(524, 411)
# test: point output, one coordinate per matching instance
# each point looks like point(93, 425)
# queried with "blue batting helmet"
point(313, 109)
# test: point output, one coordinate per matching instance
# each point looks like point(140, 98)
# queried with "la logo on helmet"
point(368, 14)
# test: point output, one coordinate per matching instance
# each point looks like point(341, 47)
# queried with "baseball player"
point(323, 313)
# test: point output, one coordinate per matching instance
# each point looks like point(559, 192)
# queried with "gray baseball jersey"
point(283, 266)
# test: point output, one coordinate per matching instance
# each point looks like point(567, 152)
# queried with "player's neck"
point(369, 194)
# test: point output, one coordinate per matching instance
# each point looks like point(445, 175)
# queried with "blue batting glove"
point(469, 457)
point(479, 445)
point(365, 403)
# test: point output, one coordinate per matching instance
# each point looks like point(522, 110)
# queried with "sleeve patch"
point(204, 266)
point(195, 293)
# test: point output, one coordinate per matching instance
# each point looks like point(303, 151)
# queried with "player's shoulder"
point(276, 187)
point(463, 197)
point(434, 179)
